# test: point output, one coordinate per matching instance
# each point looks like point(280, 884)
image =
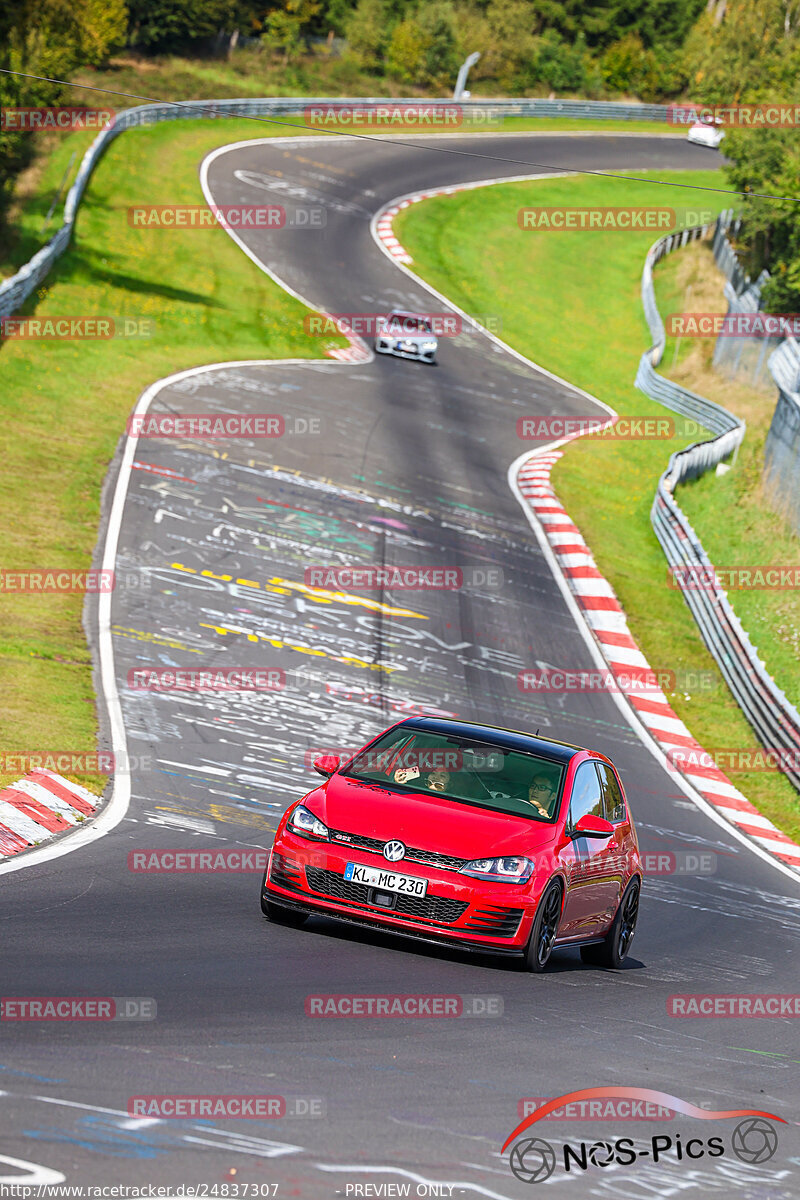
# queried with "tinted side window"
point(587, 796)
point(612, 793)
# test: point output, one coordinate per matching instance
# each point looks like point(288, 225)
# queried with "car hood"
point(425, 822)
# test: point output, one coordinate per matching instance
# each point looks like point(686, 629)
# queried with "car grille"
point(446, 861)
point(427, 908)
point(495, 922)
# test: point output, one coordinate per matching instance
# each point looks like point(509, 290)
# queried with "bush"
point(405, 56)
point(559, 65)
point(368, 32)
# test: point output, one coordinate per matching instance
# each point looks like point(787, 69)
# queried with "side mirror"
point(592, 827)
point(326, 764)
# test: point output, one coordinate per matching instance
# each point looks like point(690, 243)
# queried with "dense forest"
point(712, 51)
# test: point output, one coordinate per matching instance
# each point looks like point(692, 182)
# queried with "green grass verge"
point(572, 303)
point(732, 515)
point(64, 404)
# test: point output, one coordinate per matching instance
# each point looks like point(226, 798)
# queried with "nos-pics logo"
point(754, 1139)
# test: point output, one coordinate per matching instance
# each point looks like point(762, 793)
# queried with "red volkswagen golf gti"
point(469, 835)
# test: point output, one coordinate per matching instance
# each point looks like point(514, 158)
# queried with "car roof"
point(403, 312)
point(509, 739)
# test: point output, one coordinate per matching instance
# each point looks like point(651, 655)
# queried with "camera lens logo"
point(601, 1154)
point(754, 1140)
point(533, 1160)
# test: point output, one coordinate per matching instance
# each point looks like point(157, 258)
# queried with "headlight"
point(304, 822)
point(429, 345)
point(511, 869)
point(390, 341)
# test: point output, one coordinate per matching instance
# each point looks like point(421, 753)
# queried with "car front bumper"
point(405, 351)
point(457, 909)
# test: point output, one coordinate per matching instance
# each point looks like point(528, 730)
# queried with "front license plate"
point(390, 881)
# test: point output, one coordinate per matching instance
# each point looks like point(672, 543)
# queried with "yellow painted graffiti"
point(284, 587)
point(280, 644)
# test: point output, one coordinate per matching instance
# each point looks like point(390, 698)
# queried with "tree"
point(748, 52)
point(286, 25)
point(48, 38)
point(406, 52)
point(172, 24)
point(368, 33)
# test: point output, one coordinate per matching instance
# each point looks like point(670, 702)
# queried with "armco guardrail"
point(14, 291)
point(775, 720)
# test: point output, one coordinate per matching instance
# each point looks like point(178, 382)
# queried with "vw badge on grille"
point(394, 851)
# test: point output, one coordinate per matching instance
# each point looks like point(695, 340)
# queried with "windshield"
point(463, 769)
point(404, 323)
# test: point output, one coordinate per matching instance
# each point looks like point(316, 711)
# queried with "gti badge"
point(394, 851)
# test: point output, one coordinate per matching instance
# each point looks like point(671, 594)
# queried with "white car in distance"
point(707, 133)
point(406, 334)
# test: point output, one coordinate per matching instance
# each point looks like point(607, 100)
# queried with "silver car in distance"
point(409, 335)
point(706, 133)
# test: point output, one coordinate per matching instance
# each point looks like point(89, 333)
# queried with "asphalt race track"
point(408, 466)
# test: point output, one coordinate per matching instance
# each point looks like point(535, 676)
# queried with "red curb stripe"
point(758, 831)
point(600, 603)
point(52, 821)
point(584, 572)
point(10, 842)
point(63, 793)
point(775, 835)
point(659, 707)
point(616, 639)
point(666, 739)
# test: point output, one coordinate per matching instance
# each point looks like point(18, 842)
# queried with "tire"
point(545, 928)
point(613, 951)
